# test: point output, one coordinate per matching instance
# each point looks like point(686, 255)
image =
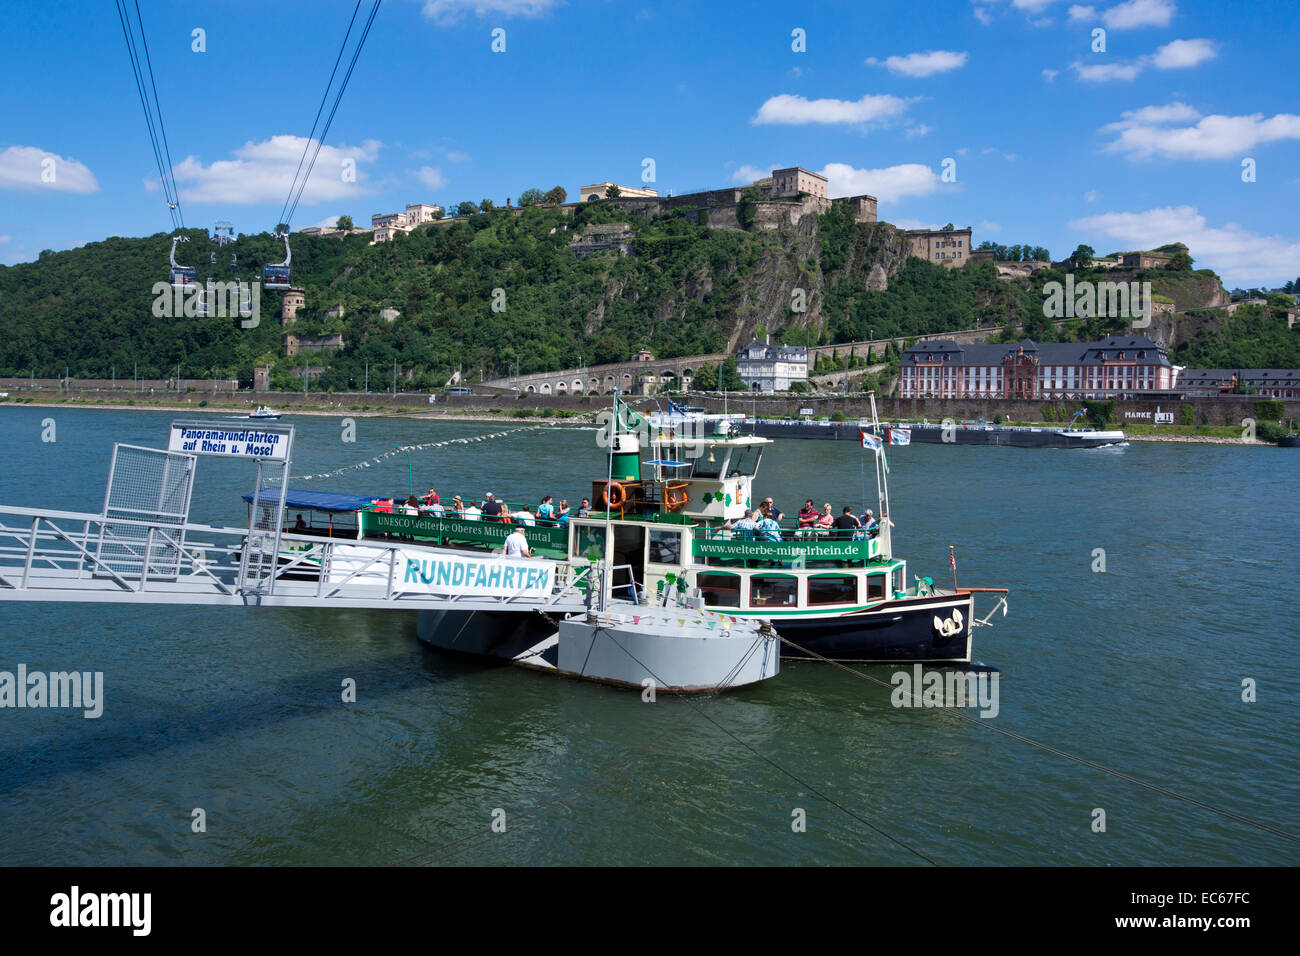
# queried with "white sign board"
point(806, 412)
point(230, 442)
point(440, 573)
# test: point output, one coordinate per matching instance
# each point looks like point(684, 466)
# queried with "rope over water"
point(423, 446)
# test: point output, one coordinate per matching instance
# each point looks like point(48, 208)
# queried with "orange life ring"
point(615, 495)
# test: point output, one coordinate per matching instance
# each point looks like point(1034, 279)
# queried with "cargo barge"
point(952, 433)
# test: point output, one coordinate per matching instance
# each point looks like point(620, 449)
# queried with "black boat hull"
point(895, 631)
point(1008, 436)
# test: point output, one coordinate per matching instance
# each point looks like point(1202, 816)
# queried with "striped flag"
point(870, 441)
point(952, 559)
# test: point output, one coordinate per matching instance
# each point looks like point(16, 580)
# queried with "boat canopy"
point(312, 500)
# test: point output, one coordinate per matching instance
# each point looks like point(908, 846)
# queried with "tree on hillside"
point(1081, 258)
point(531, 197)
point(1040, 254)
point(344, 222)
point(437, 212)
point(487, 205)
point(706, 379)
point(729, 376)
point(1181, 261)
point(612, 191)
point(556, 195)
point(281, 227)
point(466, 208)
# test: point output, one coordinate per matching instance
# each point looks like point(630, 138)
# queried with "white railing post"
point(31, 552)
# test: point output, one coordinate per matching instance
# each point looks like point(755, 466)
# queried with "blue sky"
point(1051, 143)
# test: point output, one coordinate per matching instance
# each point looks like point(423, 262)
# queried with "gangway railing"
point(58, 556)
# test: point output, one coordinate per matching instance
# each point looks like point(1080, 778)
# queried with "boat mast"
point(882, 481)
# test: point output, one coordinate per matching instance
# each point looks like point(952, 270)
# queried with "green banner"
point(812, 549)
point(461, 531)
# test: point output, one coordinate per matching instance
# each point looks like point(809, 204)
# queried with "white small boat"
point(265, 414)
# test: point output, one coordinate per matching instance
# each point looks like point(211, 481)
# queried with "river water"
point(1139, 667)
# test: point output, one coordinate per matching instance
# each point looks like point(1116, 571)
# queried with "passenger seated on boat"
point(767, 529)
point(584, 508)
point(300, 525)
point(383, 505)
point(434, 509)
point(826, 520)
point(746, 526)
point(769, 510)
point(411, 506)
point(432, 498)
point(491, 508)
point(870, 525)
point(847, 525)
point(472, 512)
point(457, 507)
point(546, 510)
point(525, 517)
point(808, 515)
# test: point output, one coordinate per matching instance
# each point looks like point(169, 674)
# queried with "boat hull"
point(1008, 436)
point(895, 631)
point(623, 649)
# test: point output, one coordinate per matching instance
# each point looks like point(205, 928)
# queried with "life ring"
point(615, 495)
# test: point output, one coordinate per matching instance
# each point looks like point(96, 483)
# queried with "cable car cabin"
point(275, 277)
point(183, 277)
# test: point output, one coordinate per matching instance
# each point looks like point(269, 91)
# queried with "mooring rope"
point(423, 446)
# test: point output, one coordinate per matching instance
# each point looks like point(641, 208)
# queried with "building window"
point(875, 587)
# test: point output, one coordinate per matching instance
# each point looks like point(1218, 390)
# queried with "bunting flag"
point(369, 463)
point(900, 436)
point(870, 441)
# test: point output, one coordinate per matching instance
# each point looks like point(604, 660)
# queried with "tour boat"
point(265, 413)
point(665, 534)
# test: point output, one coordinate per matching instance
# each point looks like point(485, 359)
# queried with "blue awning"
point(312, 500)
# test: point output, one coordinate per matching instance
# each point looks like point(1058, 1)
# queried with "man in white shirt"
point(525, 517)
point(517, 544)
point(471, 511)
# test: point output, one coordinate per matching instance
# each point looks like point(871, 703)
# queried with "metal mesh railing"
point(153, 486)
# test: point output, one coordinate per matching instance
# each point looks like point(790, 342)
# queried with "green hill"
point(686, 289)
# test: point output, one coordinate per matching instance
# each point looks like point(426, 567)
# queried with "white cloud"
point(1105, 72)
point(1139, 13)
point(1175, 55)
point(455, 156)
point(1235, 253)
point(913, 224)
point(4, 239)
point(329, 222)
point(1151, 131)
point(921, 129)
point(888, 185)
point(983, 16)
point(261, 172)
point(1079, 13)
point(987, 226)
point(748, 174)
point(923, 64)
point(445, 12)
point(430, 177)
point(1050, 75)
point(1091, 195)
point(1180, 54)
point(797, 111)
point(29, 168)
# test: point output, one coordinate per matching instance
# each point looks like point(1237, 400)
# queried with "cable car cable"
point(334, 109)
point(320, 109)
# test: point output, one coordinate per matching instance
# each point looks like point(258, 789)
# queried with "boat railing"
point(795, 546)
point(455, 530)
